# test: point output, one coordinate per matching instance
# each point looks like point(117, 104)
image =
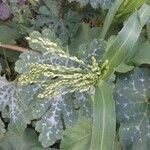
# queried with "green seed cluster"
point(52, 78)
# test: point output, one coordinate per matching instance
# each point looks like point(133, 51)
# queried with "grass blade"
point(110, 16)
point(104, 119)
point(122, 46)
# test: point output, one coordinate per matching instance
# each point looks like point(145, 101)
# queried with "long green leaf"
point(110, 16)
point(127, 8)
point(126, 39)
point(104, 120)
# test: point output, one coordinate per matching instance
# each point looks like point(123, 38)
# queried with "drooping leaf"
point(12, 106)
point(104, 119)
point(132, 103)
point(78, 137)
point(126, 39)
point(26, 141)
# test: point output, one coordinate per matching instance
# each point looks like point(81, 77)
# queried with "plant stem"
point(13, 47)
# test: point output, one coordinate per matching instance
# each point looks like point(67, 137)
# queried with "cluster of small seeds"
point(56, 77)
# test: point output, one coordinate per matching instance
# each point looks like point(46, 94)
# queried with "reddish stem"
point(13, 47)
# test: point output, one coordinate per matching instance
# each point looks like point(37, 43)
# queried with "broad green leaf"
point(95, 48)
point(8, 35)
point(64, 27)
point(100, 135)
point(26, 141)
point(122, 46)
point(53, 112)
point(104, 119)
point(132, 106)
point(142, 56)
point(50, 125)
point(110, 16)
point(84, 34)
point(12, 106)
point(82, 101)
point(67, 27)
point(53, 7)
point(77, 137)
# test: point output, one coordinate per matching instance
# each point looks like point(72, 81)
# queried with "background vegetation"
point(74, 74)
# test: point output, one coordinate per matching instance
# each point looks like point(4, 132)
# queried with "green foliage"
point(26, 141)
point(2, 129)
point(132, 104)
point(56, 64)
point(96, 3)
point(123, 68)
point(122, 46)
point(110, 16)
point(143, 54)
point(78, 137)
point(12, 106)
point(59, 93)
point(85, 34)
point(104, 125)
point(127, 8)
point(9, 34)
point(64, 23)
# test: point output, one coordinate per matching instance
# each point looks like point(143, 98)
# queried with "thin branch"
point(13, 47)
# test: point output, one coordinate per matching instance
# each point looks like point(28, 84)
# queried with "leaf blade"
point(79, 136)
point(104, 120)
point(110, 16)
point(132, 107)
point(126, 39)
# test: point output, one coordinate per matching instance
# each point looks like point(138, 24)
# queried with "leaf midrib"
point(104, 112)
